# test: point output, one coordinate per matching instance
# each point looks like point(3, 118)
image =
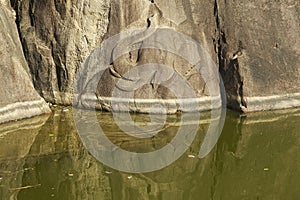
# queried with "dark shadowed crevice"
point(228, 65)
point(234, 85)
point(17, 6)
point(59, 81)
point(61, 71)
point(148, 23)
point(31, 15)
point(18, 9)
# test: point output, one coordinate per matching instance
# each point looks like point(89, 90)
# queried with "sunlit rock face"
point(57, 36)
point(18, 97)
point(255, 45)
point(127, 77)
point(265, 36)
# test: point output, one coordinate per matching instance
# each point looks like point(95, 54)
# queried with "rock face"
point(266, 37)
point(255, 44)
point(135, 80)
point(18, 97)
point(57, 36)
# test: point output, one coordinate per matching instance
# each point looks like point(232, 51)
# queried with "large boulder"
point(264, 36)
point(255, 44)
point(57, 36)
point(18, 97)
point(126, 72)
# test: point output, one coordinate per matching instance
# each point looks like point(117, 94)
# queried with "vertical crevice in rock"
point(105, 35)
point(18, 9)
point(148, 23)
point(228, 65)
point(14, 4)
point(220, 39)
point(30, 13)
point(234, 85)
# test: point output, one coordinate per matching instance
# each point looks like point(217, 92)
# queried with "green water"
point(256, 157)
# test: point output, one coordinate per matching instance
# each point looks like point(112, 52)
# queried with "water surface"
point(256, 157)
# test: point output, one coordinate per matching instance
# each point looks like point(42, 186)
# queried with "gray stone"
point(265, 36)
point(255, 44)
point(136, 74)
point(18, 97)
point(57, 36)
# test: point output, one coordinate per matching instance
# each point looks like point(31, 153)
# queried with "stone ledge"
point(274, 102)
point(255, 104)
point(22, 110)
point(170, 106)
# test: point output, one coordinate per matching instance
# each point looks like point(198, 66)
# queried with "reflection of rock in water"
point(172, 182)
point(69, 175)
point(251, 144)
point(233, 170)
point(57, 165)
point(16, 140)
point(57, 161)
point(68, 171)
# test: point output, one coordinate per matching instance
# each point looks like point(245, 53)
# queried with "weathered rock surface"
point(266, 37)
point(57, 36)
point(256, 45)
point(127, 77)
point(18, 97)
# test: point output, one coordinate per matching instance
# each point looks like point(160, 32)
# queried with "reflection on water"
point(256, 157)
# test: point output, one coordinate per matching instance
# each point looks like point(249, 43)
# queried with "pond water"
point(256, 157)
